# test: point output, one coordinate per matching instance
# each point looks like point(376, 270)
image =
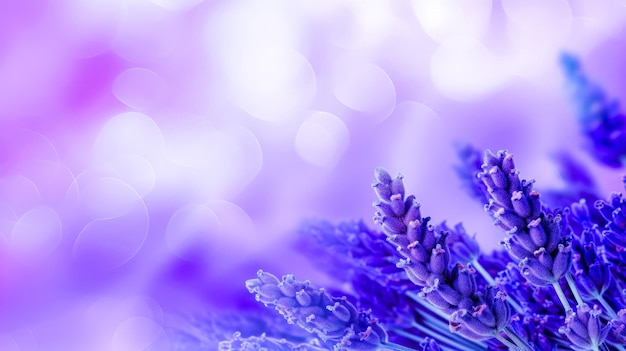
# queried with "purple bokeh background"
point(155, 153)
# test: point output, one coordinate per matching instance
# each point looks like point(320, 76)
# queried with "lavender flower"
point(330, 318)
point(474, 315)
point(599, 117)
point(263, 343)
point(585, 329)
point(533, 236)
point(430, 344)
point(471, 160)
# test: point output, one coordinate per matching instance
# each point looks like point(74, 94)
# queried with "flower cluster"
point(416, 284)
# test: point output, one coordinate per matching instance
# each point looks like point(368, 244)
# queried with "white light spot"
point(135, 171)
point(272, 84)
point(463, 69)
point(192, 230)
point(110, 243)
point(322, 139)
point(51, 178)
point(365, 88)
point(136, 334)
point(177, 5)
point(216, 162)
point(238, 232)
point(37, 233)
point(105, 197)
point(445, 19)
point(140, 88)
point(130, 133)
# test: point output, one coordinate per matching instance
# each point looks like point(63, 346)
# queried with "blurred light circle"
point(109, 311)
point(110, 243)
point(7, 343)
point(192, 230)
point(135, 171)
point(105, 197)
point(177, 5)
point(322, 139)
point(130, 133)
point(272, 84)
point(136, 334)
point(446, 19)
point(463, 69)
point(51, 178)
point(217, 162)
point(140, 88)
point(238, 232)
point(19, 193)
point(191, 142)
point(365, 88)
point(37, 233)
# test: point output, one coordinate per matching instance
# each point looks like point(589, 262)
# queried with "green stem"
point(459, 343)
point(561, 295)
point(427, 305)
point(572, 287)
point(516, 339)
point(606, 306)
point(483, 272)
point(398, 347)
point(506, 342)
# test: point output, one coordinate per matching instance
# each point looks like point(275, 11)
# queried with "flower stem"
point(572, 287)
point(483, 272)
point(506, 342)
point(516, 339)
point(608, 309)
point(397, 347)
point(561, 295)
point(454, 340)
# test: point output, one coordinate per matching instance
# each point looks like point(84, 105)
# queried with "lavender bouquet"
point(412, 282)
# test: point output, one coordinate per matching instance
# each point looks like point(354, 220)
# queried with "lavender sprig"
point(330, 318)
point(585, 329)
point(533, 236)
point(264, 343)
point(426, 260)
point(599, 117)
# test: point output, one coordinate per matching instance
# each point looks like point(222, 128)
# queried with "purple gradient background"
point(155, 153)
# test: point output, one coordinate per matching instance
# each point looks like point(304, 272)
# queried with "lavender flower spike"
point(584, 328)
point(316, 311)
point(263, 343)
point(535, 238)
point(599, 117)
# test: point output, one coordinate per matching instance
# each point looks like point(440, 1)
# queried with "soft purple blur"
point(155, 153)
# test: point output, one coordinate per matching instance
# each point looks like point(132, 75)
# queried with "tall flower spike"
point(471, 160)
point(361, 257)
point(330, 318)
point(427, 263)
point(584, 328)
point(534, 237)
point(599, 117)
